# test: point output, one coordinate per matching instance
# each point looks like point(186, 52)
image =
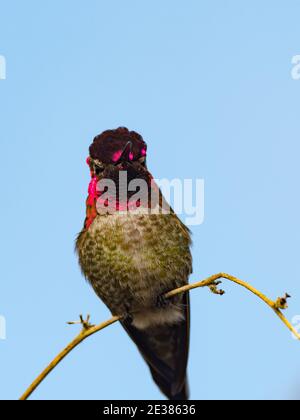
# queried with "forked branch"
point(211, 282)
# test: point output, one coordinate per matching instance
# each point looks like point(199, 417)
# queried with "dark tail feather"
point(183, 395)
point(166, 387)
point(165, 349)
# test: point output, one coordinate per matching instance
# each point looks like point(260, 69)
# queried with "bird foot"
point(162, 301)
point(86, 325)
point(128, 318)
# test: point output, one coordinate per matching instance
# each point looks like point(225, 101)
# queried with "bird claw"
point(86, 325)
point(215, 290)
point(162, 301)
point(128, 318)
point(281, 302)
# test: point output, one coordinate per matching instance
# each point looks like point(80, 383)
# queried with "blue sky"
point(208, 84)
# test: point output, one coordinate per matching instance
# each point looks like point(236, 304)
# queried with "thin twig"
point(281, 303)
point(211, 282)
point(83, 335)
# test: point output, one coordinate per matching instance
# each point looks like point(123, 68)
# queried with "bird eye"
point(98, 167)
point(98, 170)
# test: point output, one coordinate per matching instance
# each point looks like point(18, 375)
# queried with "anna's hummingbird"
point(132, 257)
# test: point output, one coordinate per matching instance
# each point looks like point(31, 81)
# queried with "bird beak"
point(126, 153)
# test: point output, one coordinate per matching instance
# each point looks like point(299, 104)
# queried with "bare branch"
point(84, 334)
point(211, 282)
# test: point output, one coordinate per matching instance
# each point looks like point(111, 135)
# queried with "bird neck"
point(97, 199)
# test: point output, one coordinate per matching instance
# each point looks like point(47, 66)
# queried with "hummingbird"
point(133, 257)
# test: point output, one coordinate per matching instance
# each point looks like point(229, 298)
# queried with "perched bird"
point(132, 257)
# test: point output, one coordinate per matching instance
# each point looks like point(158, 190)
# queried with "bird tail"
point(165, 349)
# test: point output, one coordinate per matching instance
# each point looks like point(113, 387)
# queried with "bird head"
point(118, 150)
point(111, 154)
